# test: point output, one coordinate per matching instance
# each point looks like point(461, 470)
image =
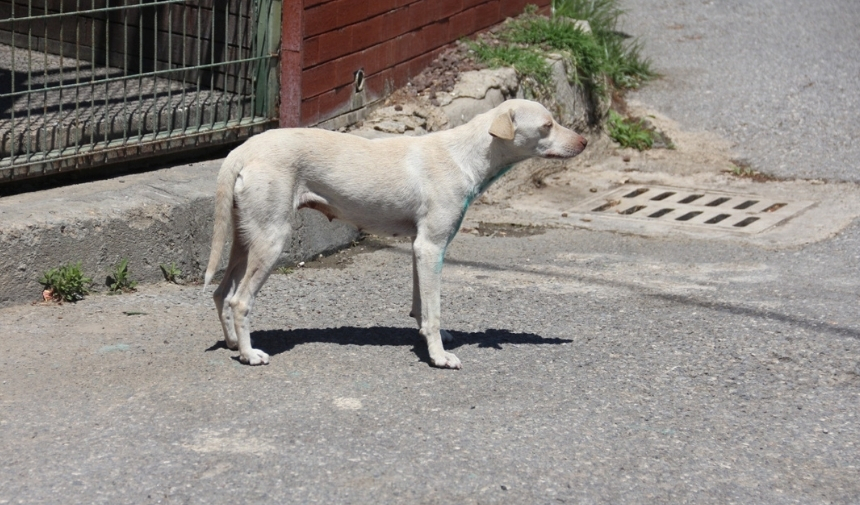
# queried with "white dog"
point(418, 187)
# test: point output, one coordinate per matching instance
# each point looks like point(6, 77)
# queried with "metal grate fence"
point(89, 82)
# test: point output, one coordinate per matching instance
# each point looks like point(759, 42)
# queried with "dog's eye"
point(547, 125)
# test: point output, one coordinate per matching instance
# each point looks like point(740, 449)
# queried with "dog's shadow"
point(274, 342)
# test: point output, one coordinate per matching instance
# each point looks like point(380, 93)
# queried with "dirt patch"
point(344, 257)
point(504, 230)
point(443, 72)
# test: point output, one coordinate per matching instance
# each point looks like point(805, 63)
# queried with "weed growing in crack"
point(171, 273)
point(120, 280)
point(743, 169)
point(284, 270)
point(65, 283)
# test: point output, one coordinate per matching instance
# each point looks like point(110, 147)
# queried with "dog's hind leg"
point(428, 257)
point(263, 208)
point(227, 288)
point(262, 256)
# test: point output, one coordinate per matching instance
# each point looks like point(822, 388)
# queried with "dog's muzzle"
point(570, 149)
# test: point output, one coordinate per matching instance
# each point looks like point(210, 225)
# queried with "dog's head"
point(531, 131)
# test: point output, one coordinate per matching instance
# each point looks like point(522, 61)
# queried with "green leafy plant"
point(65, 283)
point(171, 273)
point(120, 281)
point(628, 132)
point(284, 270)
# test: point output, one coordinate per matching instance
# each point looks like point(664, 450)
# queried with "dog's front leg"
point(427, 267)
point(416, 297)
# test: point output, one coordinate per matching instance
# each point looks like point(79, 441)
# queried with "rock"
point(416, 132)
point(372, 134)
point(477, 91)
point(582, 24)
point(477, 83)
point(571, 102)
point(461, 110)
point(390, 127)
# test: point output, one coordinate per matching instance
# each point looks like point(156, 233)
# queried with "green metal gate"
point(89, 82)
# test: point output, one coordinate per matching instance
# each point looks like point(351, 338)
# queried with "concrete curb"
point(155, 218)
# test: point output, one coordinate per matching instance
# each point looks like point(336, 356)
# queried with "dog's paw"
point(446, 337)
point(446, 360)
point(231, 344)
point(257, 357)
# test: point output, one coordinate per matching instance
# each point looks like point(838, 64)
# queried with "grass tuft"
point(598, 56)
point(623, 62)
point(524, 60)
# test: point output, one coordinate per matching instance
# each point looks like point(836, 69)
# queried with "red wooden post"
point(292, 38)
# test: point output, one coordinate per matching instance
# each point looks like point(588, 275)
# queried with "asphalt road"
point(598, 367)
point(776, 77)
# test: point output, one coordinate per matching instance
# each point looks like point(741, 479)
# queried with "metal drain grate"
point(703, 209)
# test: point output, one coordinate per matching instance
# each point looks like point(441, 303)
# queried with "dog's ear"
point(503, 127)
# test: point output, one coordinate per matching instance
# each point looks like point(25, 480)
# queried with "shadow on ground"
point(275, 342)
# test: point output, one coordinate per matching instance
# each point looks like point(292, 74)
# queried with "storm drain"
point(702, 209)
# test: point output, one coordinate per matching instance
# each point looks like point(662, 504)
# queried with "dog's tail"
point(223, 212)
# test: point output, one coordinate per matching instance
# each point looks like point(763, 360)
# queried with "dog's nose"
point(583, 142)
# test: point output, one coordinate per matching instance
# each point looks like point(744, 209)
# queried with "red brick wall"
point(391, 40)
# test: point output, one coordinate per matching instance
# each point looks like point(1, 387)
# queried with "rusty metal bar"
point(92, 10)
point(29, 76)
